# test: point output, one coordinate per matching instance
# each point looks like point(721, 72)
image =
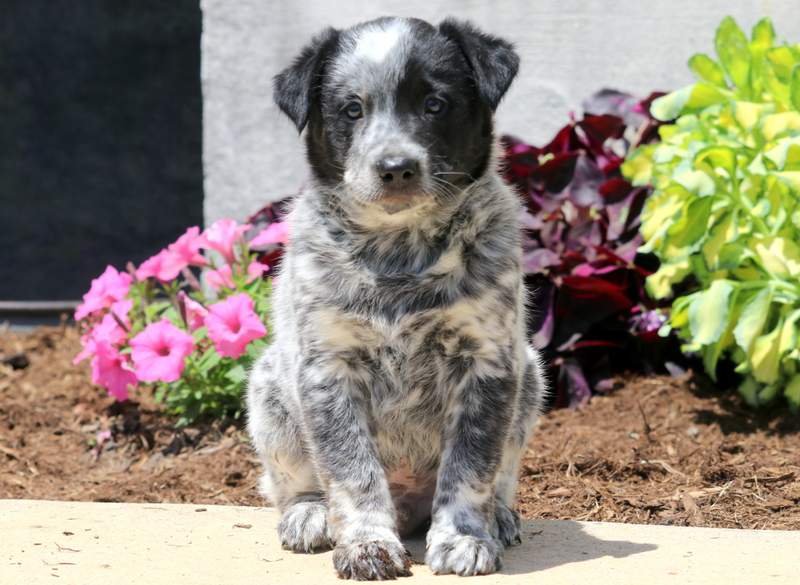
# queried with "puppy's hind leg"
point(290, 480)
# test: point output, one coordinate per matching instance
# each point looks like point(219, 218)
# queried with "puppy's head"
point(399, 112)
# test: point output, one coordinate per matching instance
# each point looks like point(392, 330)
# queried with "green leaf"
point(782, 61)
point(749, 391)
point(748, 114)
point(781, 257)
point(692, 97)
point(237, 374)
point(708, 313)
point(718, 156)
point(794, 88)
point(774, 125)
point(659, 284)
point(718, 236)
point(792, 392)
point(707, 69)
point(765, 358)
point(733, 52)
point(692, 224)
point(788, 339)
point(752, 320)
point(763, 33)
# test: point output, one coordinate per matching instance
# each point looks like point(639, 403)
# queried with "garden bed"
point(657, 450)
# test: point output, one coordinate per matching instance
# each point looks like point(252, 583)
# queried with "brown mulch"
point(658, 450)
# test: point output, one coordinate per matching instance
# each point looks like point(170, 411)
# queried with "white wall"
point(569, 49)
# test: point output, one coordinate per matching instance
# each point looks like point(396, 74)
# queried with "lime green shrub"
point(724, 218)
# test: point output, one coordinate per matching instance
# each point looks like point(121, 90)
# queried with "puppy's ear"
point(493, 61)
point(296, 87)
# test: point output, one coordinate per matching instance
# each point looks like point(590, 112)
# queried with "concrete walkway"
point(154, 544)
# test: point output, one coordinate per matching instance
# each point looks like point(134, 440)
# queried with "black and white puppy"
point(400, 386)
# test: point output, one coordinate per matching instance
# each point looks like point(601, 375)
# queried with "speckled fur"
point(400, 385)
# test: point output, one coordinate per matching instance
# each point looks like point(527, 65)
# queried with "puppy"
point(399, 387)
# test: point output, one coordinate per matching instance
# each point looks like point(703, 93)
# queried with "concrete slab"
point(93, 543)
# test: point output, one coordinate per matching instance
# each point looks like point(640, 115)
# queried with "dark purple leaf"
point(581, 243)
point(536, 261)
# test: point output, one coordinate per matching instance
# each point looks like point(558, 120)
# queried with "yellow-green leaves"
point(707, 69)
point(794, 88)
point(751, 321)
point(724, 216)
point(779, 256)
point(692, 97)
point(733, 51)
point(708, 313)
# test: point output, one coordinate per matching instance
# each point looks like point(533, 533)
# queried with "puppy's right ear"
point(296, 87)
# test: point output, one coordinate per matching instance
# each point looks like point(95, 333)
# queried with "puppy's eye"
point(354, 110)
point(435, 105)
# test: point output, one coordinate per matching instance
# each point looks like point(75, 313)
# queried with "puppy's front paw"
point(462, 554)
point(304, 527)
point(374, 560)
point(507, 521)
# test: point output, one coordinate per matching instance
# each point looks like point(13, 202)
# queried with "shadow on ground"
point(550, 545)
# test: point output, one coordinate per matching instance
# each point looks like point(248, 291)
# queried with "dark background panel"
point(100, 138)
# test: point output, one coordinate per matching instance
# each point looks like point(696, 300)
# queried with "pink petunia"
point(106, 289)
point(111, 370)
point(232, 324)
point(223, 236)
point(184, 252)
point(159, 352)
point(255, 270)
point(219, 278)
point(153, 267)
point(195, 312)
point(109, 330)
point(275, 233)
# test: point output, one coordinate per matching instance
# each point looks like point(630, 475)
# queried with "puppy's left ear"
point(297, 87)
point(494, 62)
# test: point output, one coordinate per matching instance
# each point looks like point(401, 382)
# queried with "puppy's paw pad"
point(304, 527)
point(507, 525)
point(375, 560)
point(463, 554)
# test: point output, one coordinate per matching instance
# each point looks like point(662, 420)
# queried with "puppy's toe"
point(463, 554)
point(304, 527)
point(376, 560)
point(507, 521)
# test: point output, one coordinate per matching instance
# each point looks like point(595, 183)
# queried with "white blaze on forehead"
point(376, 43)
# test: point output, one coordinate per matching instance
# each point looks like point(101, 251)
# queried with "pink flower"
point(153, 267)
point(232, 324)
point(222, 236)
point(255, 270)
point(185, 251)
point(159, 352)
point(109, 287)
point(108, 331)
point(195, 312)
point(110, 370)
point(275, 233)
point(222, 277)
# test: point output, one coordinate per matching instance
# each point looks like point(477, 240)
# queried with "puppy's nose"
point(397, 171)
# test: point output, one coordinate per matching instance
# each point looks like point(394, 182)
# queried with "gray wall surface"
point(569, 49)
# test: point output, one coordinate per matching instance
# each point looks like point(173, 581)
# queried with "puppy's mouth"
point(395, 202)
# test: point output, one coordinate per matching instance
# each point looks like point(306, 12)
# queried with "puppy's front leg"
point(334, 397)
point(459, 540)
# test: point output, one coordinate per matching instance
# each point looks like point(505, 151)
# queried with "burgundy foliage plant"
point(591, 315)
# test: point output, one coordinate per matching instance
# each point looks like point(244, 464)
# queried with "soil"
point(657, 450)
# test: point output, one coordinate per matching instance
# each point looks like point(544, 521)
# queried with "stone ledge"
point(96, 543)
